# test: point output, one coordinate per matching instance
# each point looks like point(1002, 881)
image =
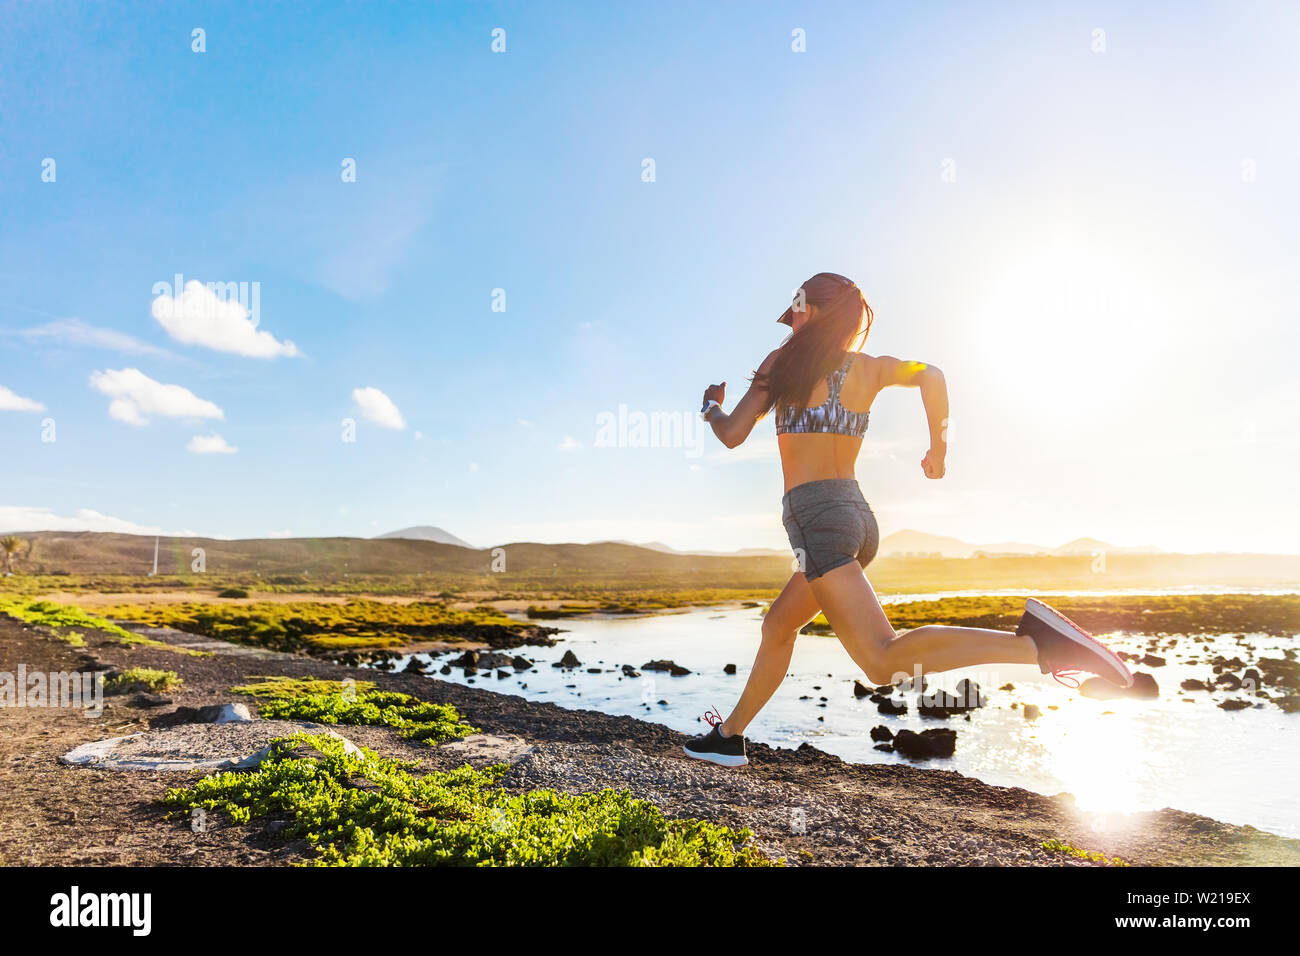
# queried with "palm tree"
point(10, 545)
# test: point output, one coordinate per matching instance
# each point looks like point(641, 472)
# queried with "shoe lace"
point(1066, 676)
point(712, 717)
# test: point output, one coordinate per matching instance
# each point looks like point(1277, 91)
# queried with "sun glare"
point(1075, 314)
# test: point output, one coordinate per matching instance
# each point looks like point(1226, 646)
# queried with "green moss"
point(417, 719)
point(58, 616)
point(1093, 856)
point(319, 626)
point(154, 680)
point(455, 818)
point(271, 687)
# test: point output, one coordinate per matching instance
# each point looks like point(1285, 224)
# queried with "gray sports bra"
point(830, 417)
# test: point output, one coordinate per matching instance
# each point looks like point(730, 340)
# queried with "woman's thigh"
point(850, 604)
point(794, 607)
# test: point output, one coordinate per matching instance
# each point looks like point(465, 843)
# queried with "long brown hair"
point(816, 349)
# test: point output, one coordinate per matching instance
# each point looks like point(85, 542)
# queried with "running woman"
point(821, 387)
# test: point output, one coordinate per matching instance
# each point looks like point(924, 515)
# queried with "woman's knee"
point(878, 670)
point(777, 630)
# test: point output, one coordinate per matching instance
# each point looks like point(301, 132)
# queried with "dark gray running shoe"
point(1065, 649)
point(715, 748)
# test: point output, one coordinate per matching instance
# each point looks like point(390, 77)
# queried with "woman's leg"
point(853, 610)
point(794, 608)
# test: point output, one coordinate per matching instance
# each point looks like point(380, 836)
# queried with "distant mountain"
point(427, 532)
point(918, 542)
point(669, 549)
point(1092, 546)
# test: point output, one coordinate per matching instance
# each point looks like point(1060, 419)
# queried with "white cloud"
point(212, 444)
point(17, 518)
point(378, 407)
point(76, 332)
point(569, 444)
point(284, 533)
point(135, 395)
point(9, 402)
point(199, 316)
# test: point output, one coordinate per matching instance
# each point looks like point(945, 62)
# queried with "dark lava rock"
point(1152, 660)
point(468, 659)
point(1032, 712)
point(1007, 687)
point(569, 659)
point(1289, 704)
point(881, 733)
point(887, 748)
point(860, 689)
point(926, 744)
point(444, 669)
point(595, 670)
point(1144, 687)
point(1193, 684)
point(414, 666)
point(892, 708)
point(630, 671)
point(1229, 680)
point(502, 675)
point(520, 663)
point(941, 704)
point(676, 670)
point(1234, 704)
point(1280, 673)
point(150, 700)
point(196, 715)
point(729, 669)
point(970, 692)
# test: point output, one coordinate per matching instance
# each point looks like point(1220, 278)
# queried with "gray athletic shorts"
point(829, 524)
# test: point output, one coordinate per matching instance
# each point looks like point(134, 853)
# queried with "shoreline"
point(854, 814)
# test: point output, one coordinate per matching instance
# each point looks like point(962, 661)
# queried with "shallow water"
point(1115, 757)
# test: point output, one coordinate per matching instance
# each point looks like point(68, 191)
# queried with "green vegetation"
point(1277, 614)
point(333, 702)
point(366, 810)
point(281, 687)
point(233, 593)
point(146, 677)
point(316, 626)
point(1093, 856)
point(59, 616)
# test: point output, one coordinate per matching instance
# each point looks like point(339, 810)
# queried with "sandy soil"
point(804, 805)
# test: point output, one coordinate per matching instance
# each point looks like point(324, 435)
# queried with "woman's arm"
point(934, 396)
point(733, 429)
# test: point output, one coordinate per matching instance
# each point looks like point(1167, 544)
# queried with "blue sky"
point(1106, 273)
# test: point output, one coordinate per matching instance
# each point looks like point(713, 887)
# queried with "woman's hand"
point(932, 464)
point(714, 393)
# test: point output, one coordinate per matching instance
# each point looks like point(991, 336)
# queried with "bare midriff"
point(817, 457)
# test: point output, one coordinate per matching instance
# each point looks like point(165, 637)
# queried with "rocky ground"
point(803, 805)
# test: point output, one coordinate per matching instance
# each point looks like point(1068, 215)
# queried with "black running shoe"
point(715, 748)
point(1065, 649)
